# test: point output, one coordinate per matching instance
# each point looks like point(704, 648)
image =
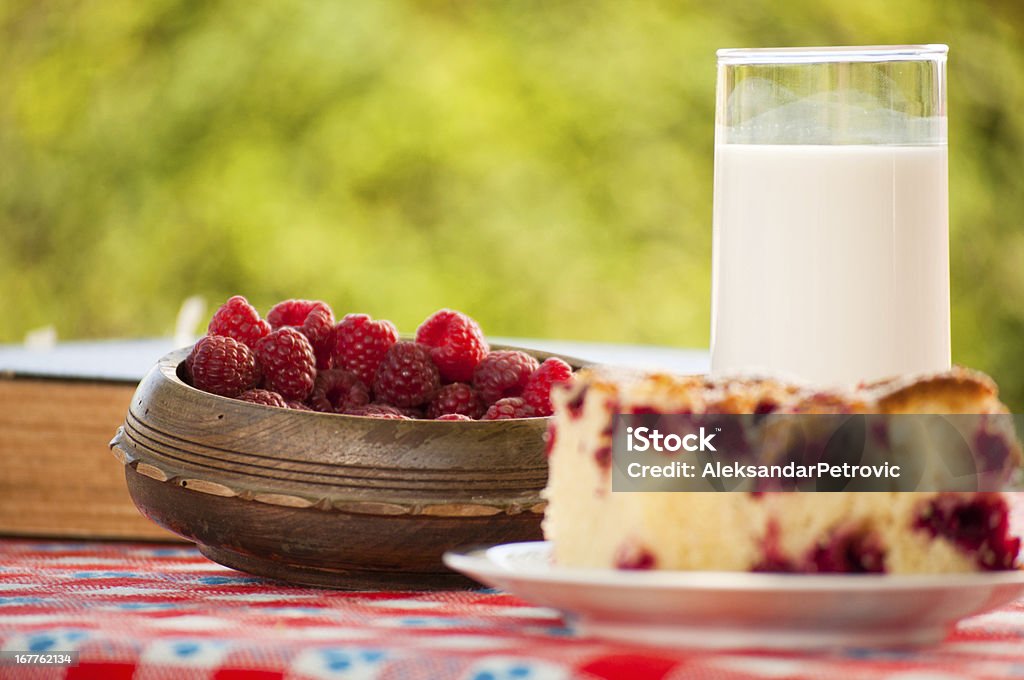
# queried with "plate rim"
point(473, 562)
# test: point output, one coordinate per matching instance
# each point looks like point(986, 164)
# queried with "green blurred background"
point(545, 167)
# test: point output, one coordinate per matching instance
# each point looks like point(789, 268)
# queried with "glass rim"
point(821, 55)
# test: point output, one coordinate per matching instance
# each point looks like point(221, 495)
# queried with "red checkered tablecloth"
point(156, 612)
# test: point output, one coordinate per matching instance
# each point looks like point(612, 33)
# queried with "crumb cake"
point(849, 532)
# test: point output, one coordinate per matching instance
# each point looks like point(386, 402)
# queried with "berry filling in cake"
point(978, 525)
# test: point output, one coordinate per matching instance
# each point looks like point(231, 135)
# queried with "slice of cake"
point(895, 532)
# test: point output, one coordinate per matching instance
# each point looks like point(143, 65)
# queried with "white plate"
point(741, 610)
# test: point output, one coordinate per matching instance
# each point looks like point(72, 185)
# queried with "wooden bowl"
point(323, 499)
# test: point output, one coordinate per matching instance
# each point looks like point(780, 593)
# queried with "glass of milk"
point(831, 224)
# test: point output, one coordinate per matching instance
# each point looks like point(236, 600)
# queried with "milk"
point(831, 263)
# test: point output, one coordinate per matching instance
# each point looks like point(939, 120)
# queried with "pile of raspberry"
point(299, 357)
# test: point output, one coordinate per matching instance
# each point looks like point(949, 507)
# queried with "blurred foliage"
point(546, 167)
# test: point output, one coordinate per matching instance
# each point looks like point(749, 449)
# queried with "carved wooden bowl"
point(323, 499)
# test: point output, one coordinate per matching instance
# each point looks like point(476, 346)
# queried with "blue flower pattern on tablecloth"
point(143, 606)
point(108, 574)
point(189, 652)
point(341, 663)
point(20, 601)
point(49, 641)
point(422, 622)
point(513, 668)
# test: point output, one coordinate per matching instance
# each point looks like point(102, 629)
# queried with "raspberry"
point(294, 312)
point(537, 392)
point(550, 437)
point(457, 398)
point(360, 344)
point(457, 344)
point(634, 556)
point(297, 405)
point(237, 319)
point(337, 390)
point(576, 403)
point(377, 411)
point(314, 318)
point(289, 367)
point(265, 397)
point(507, 408)
point(319, 329)
point(406, 377)
point(503, 374)
point(453, 416)
point(222, 365)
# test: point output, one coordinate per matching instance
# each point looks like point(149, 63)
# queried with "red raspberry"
point(360, 344)
point(289, 367)
point(453, 416)
point(508, 408)
point(456, 398)
point(550, 437)
point(406, 377)
point(314, 318)
point(265, 397)
point(319, 329)
point(537, 392)
point(298, 406)
point(457, 344)
point(222, 365)
point(377, 411)
point(503, 374)
point(294, 312)
point(337, 390)
point(237, 319)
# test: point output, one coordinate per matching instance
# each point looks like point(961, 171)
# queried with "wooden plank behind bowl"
point(57, 476)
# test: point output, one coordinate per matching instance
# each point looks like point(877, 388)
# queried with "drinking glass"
point(831, 243)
